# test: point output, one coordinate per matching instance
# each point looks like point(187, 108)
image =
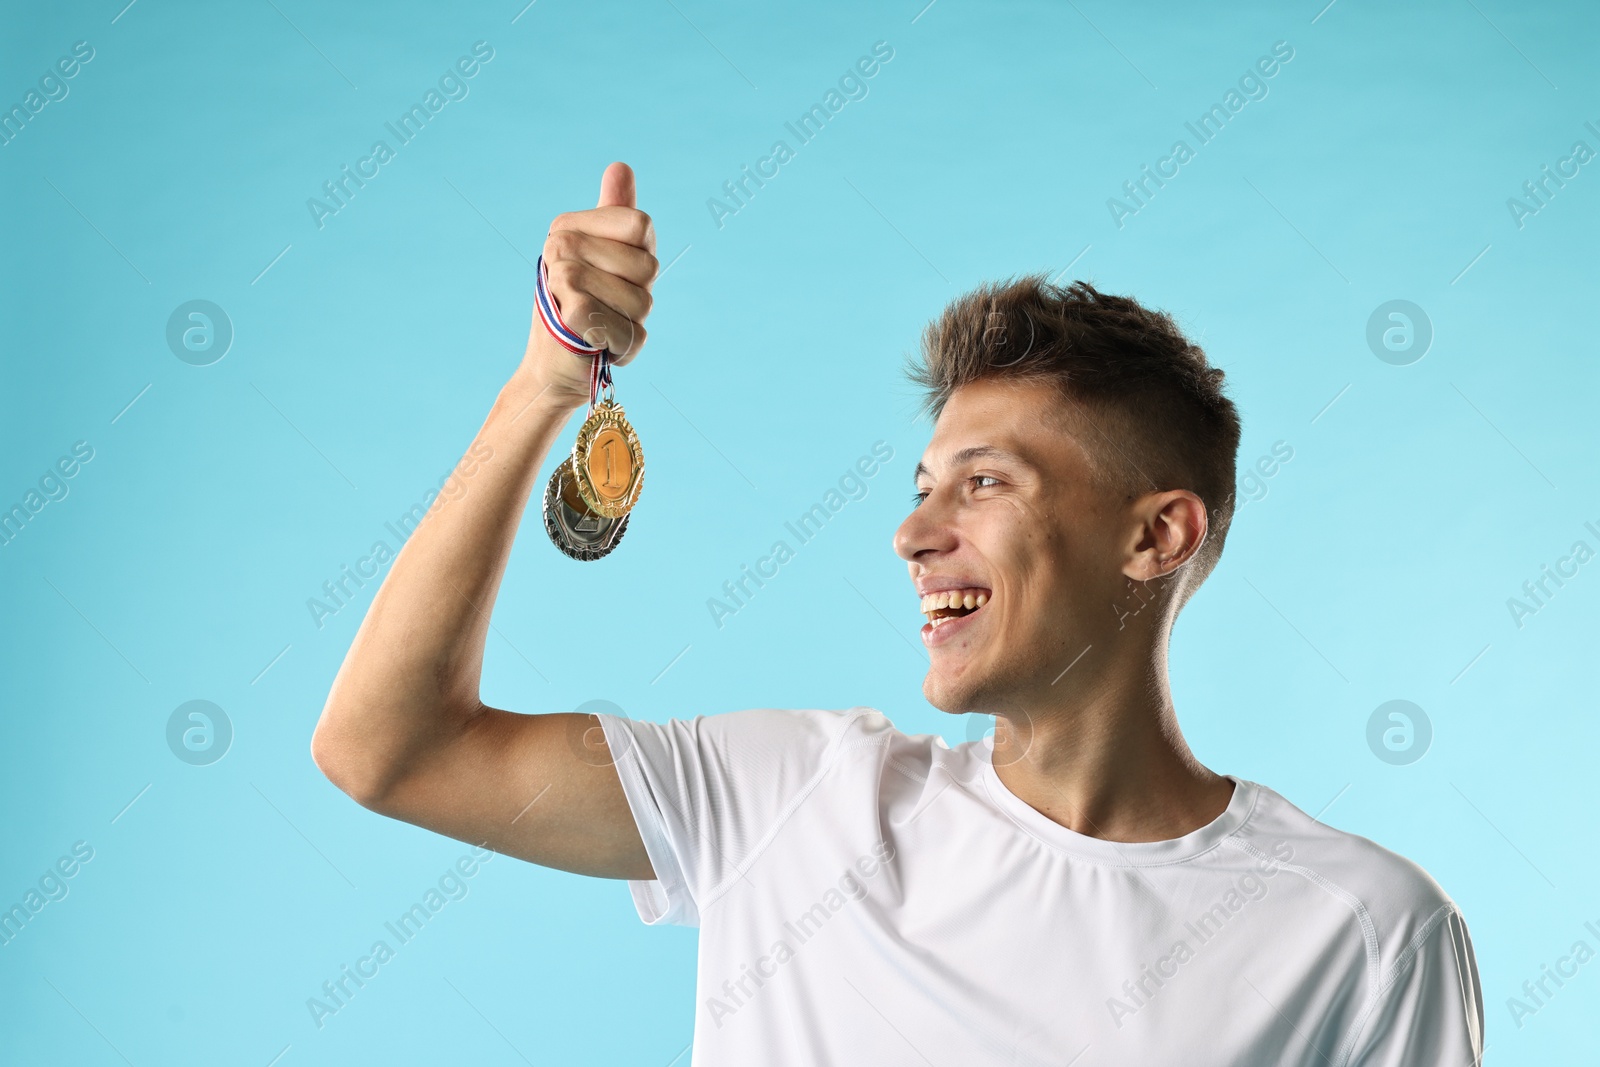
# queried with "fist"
point(601, 264)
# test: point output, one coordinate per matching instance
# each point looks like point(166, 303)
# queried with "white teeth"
point(956, 598)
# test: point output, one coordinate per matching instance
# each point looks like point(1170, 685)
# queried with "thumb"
point(616, 186)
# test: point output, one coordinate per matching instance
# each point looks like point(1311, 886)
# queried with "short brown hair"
point(1152, 408)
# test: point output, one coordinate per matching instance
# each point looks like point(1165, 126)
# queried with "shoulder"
point(1397, 903)
point(801, 726)
point(752, 738)
point(1423, 1001)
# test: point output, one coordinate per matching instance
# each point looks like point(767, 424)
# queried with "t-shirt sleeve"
point(1430, 1011)
point(707, 793)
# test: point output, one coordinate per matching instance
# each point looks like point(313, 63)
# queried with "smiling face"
point(1012, 516)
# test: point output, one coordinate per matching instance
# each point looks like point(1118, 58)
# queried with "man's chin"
point(997, 690)
point(950, 695)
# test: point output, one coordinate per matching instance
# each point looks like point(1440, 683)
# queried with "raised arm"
point(403, 730)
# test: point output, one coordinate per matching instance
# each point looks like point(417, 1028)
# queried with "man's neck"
point(1109, 761)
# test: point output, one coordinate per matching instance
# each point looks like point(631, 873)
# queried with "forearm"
point(410, 680)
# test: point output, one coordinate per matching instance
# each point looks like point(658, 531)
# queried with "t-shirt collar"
point(1119, 853)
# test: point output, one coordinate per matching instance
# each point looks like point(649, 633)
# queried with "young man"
point(1082, 890)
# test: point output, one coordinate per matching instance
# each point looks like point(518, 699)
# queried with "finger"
point(628, 225)
point(605, 328)
point(615, 257)
point(617, 186)
point(584, 291)
point(617, 294)
point(635, 340)
point(602, 326)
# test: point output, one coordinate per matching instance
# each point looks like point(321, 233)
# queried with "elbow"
point(375, 753)
point(342, 762)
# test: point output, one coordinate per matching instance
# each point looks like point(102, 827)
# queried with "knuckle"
point(567, 274)
point(591, 314)
point(559, 289)
point(563, 244)
point(642, 225)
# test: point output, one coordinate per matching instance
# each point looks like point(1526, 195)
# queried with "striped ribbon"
point(599, 368)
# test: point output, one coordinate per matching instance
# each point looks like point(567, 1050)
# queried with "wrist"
point(527, 389)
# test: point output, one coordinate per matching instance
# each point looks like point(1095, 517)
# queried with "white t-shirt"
point(865, 896)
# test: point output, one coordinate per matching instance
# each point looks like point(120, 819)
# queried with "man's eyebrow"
point(971, 453)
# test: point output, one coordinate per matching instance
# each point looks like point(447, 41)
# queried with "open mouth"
point(942, 608)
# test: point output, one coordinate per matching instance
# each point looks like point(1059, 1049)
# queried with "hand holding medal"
point(596, 270)
point(590, 493)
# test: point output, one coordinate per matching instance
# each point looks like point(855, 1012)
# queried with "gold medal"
point(607, 462)
point(591, 492)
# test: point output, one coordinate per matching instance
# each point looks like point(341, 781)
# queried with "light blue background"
point(1377, 567)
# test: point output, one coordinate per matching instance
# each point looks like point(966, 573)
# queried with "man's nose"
point(927, 529)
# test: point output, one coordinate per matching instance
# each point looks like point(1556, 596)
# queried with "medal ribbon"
point(550, 315)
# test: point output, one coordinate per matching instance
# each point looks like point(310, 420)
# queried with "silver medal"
point(577, 531)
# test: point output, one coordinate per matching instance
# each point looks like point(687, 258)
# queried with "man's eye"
point(984, 477)
point(918, 497)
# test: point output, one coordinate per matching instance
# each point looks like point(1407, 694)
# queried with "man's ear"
point(1170, 528)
